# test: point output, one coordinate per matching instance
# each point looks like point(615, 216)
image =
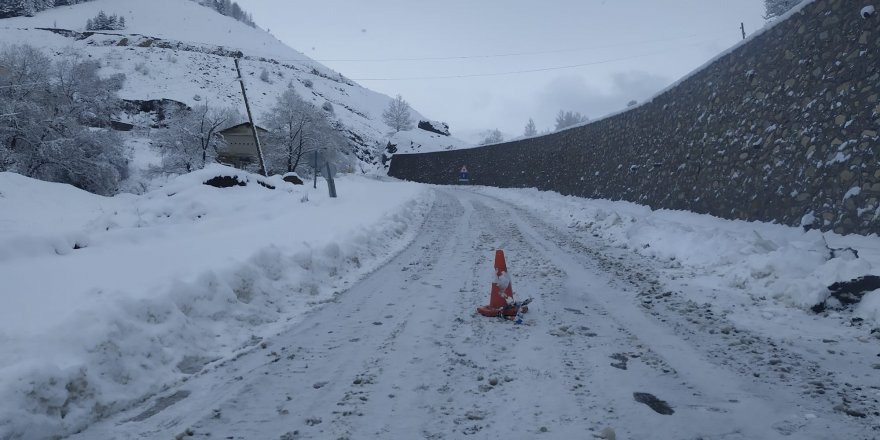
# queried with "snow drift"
point(108, 300)
point(759, 261)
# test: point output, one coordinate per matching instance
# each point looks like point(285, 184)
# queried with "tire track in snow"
point(762, 407)
point(402, 354)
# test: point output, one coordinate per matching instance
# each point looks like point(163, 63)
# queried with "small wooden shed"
point(240, 150)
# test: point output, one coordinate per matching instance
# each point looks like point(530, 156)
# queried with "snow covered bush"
point(565, 119)
point(492, 137)
point(55, 116)
point(142, 69)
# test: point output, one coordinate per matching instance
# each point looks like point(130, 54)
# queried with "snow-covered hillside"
point(418, 140)
point(180, 50)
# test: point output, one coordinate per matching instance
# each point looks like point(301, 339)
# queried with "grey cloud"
point(576, 94)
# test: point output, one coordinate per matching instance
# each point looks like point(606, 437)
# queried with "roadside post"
point(331, 184)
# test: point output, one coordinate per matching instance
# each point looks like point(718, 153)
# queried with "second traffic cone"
point(501, 294)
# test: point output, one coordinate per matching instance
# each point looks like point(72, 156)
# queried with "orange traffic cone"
point(501, 295)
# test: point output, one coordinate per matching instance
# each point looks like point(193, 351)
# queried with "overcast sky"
point(623, 50)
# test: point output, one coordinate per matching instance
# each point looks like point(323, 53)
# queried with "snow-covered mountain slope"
point(180, 50)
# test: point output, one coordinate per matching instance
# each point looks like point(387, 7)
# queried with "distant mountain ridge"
point(28, 8)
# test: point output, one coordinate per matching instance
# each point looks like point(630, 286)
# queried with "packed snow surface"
point(106, 299)
point(258, 313)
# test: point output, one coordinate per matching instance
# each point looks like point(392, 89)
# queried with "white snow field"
point(272, 318)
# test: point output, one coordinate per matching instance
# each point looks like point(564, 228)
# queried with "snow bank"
point(106, 300)
point(423, 141)
point(760, 260)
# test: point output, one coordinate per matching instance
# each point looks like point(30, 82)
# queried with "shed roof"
point(244, 124)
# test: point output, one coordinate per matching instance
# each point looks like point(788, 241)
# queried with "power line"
point(498, 55)
point(515, 72)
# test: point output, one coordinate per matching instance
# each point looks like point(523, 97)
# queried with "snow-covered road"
point(403, 355)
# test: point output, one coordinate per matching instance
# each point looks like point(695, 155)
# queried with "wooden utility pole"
point(251, 119)
point(742, 27)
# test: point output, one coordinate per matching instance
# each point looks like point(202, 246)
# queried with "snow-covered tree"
point(79, 87)
point(15, 8)
point(296, 129)
point(230, 9)
point(192, 137)
point(492, 137)
point(397, 115)
point(567, 119)
point(776, 8)
point(104, 22)
point(52, 119)
point(531, 130)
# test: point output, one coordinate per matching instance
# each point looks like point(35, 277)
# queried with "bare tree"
point(397, 115)
point(296, 129)
point(289, 135)
point(567, 119)
point(531, 130)
point(52, 119)
point(192, 138)
point(492, 137)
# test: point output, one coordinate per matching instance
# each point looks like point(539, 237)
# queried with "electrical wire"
point(516, 72)
point(502, 55)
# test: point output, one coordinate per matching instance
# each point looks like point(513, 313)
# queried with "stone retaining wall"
point(784, 128)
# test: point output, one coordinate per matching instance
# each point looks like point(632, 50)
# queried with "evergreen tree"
point(236, 12)
point(101, 21)
point(28, 7)
point(16, 8)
